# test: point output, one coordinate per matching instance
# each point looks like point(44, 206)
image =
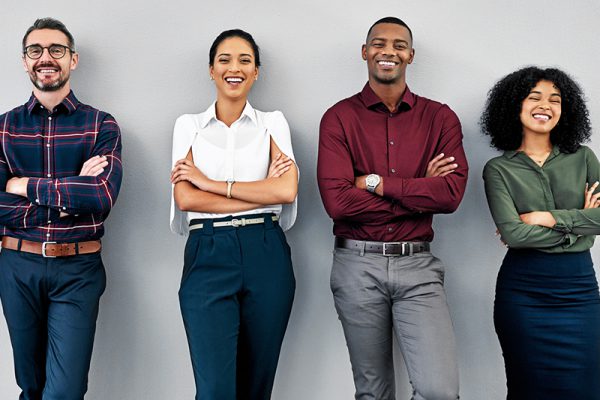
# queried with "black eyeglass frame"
point(63, 47)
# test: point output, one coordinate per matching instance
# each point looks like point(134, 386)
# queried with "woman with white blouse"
point(235, 188)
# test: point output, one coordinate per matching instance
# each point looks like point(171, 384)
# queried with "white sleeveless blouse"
point(240, 152)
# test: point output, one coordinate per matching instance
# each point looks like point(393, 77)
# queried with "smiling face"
point(234, 69)
point(541, 109)
point(46, 73)
point(388, 52)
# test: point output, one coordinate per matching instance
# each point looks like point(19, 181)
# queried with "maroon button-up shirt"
point(360, 136)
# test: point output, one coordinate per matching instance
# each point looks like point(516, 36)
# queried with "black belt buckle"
point(393, 249)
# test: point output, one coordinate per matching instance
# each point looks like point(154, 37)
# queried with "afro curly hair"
point(501, 116)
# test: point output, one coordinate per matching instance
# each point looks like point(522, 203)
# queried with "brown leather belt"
point(389, 249)
point(51, 249)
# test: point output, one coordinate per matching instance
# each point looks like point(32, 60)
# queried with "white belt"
point(235, 222)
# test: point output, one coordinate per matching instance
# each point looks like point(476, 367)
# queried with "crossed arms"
point(194, 191)
point(27, 201)
point(344, 194)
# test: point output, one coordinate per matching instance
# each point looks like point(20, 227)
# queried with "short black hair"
point(501, 116)
point(229, 34)
point(390, 20)
point(49, 23)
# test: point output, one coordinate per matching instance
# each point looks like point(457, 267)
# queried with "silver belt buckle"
point(410, 248)
point(44, 244)
point(238, 222)
point(391, 244)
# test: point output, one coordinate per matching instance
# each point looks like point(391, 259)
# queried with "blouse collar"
point(211, 114)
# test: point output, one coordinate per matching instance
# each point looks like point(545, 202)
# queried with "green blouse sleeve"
point(514, 232)
point(586, 221)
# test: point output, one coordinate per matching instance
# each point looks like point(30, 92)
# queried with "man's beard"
point(48, 87)
point(388, 80)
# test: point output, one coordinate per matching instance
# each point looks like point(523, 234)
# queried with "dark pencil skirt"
point(547, 317)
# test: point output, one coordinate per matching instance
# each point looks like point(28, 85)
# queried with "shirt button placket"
point(49, 175)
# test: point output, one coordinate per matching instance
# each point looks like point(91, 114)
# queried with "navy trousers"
point(51, 306)
point(547, 316)
point(236, 297)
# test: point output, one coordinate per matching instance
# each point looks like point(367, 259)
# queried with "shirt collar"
point(513, 153)
point(371, 99)
point(69, 103)
point(211, 114)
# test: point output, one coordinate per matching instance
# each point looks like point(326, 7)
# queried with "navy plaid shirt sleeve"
point(85, 194)
point(17, 211)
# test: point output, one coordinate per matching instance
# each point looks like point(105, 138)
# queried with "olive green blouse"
point(515, 184)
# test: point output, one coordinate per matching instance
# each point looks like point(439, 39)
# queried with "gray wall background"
point(146, 63)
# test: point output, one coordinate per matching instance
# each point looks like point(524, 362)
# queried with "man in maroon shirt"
point(389, 160)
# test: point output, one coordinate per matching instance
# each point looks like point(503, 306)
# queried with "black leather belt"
point(389, 249)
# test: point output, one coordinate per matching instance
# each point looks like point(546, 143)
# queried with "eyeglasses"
point(56, 51)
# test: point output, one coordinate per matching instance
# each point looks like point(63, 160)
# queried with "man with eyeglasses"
point(60, 174)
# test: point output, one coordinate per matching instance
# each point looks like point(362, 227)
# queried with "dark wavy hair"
point(49, 23)
point(501, 121)
point(230, 34)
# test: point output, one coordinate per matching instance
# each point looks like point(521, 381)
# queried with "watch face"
point(372, 181)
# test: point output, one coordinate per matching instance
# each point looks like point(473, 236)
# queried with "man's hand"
point(440, 166)
point(17, 186)
point(94, 166)
point(541, 218)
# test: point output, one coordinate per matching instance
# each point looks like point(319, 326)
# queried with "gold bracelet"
point(229, 185)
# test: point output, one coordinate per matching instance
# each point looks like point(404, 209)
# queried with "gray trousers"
point(376, 297)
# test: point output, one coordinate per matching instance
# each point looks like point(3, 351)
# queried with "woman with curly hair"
point(541, 193)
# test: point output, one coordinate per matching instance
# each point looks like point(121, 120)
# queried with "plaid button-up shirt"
point(49, 147)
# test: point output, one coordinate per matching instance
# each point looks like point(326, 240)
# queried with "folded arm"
point(82, 194)
point(195, 192)
point(342, 199)
point(17, 211)
point(513, 230)
point(439, 192)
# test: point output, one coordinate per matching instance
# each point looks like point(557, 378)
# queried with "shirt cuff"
point(39, 192)
point(393, 188)
point(33, 192)
point(564, 220)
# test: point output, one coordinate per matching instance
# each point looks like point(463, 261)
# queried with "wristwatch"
point(372, 182)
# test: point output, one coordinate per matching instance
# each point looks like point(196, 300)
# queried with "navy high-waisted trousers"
point(236, 296)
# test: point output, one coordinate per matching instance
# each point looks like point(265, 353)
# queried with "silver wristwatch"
point(372, 182)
